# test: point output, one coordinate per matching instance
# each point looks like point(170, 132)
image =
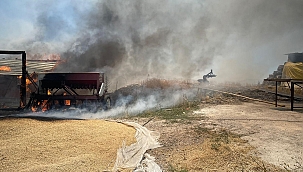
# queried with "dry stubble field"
point(43, 144)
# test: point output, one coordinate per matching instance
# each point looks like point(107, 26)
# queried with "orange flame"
point(44, 106)
point(67, 102)
point(5, 68)
point(28, 82)
point(34, 108)
point(41, 105)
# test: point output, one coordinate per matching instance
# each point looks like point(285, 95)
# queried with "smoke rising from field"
point(137, 100)
point(242, 41)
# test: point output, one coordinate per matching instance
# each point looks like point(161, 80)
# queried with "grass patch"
point(217, 138)
point(176, 114)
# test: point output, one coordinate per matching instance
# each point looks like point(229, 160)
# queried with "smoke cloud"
point(133, 40)
point(242, 41)
point(257, 34)
point(136, 101)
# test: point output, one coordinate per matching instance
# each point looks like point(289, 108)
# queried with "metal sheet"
point(32, 66)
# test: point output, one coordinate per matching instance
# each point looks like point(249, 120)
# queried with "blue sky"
point(17, 17)
point(50, 19)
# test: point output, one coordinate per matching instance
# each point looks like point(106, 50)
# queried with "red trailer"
point(56, 90)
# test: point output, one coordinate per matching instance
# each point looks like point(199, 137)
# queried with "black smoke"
point(132, 40)
point(241, 41)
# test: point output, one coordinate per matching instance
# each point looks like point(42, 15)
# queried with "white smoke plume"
point(132, 104)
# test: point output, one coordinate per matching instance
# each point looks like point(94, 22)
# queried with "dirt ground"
point(233, 134)
point(267, 139)
point(276, 133)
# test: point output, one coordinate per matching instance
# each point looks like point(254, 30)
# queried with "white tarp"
point(148, 164)
point(134, 156)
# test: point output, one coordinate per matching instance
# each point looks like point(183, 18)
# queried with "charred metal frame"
point(69, 82)
point(23, 77)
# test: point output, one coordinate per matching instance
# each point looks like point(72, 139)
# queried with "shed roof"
point(37, 66)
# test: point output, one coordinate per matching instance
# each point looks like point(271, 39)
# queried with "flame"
point(5, 68)
point(66, 102)
point(34, 109)
point(28, 82)
point(49, 92)
point(42, 105)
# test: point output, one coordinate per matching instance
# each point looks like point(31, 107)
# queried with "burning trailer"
point(82, 90)
point(41, 89)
